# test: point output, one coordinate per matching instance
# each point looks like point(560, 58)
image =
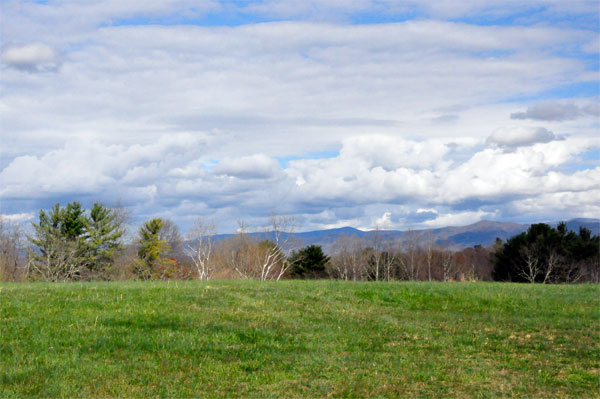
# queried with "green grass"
point(299, 339)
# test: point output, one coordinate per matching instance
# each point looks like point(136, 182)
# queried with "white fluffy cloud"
point(384, 222)
point(367, 119)
point(487, 175)
point(459, 219)
point(16, 218)
point(425, 179)
point(88, 168)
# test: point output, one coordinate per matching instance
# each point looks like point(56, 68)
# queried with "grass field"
point(299, 339)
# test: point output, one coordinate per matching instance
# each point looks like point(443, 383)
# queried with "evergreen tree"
point(103, 234)
point(69, 245)
point(60, 246)
point(152, 250)
point(546, 254)
point(72, 221)
point(308, 263)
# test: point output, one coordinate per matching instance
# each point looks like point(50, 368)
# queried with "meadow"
point(299, 339)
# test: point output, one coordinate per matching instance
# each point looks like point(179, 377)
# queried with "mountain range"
point(455, 237)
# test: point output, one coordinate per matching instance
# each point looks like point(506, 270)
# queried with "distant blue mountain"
point(481, 233)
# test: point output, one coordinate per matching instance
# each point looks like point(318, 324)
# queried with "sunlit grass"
point(299, 339)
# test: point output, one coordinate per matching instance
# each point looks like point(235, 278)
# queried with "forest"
point(70, 243)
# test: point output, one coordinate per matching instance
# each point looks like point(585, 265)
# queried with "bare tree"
point(390, 262)
point(266, 259)
point(59, 261)
point(448, 264)
point(201, 248)
point(428, 239)
point(531, 266)
point(11, 249)
point(381, 256)
point(126, 262)
point(347, 261)
point(590, 269)
point(559, 268)
point(275, 258)
point(272, 261)
point(376, 258)
point(238, 252)
point(477, 262)
point(171, 234)
point(409, 261)
point(553, 263)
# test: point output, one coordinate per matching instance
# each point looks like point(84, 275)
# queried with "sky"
point(391, 113)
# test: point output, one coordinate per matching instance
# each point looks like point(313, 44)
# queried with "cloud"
point(36, 57)
point(154, 105)
point(554, 111)
point(17, 218)
point(536, 10)
point(281, 88)
point(515, 136)
point(488, 175)
point(385, 221)
point(458, 219)
point(82, 168)
point(389, 152)
point(416, 181)
point(257, 166)
point(445, 119)
point(67, 21)
point(593, 46)
point(566, 204)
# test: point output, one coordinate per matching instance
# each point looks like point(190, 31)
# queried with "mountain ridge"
point(483, 232)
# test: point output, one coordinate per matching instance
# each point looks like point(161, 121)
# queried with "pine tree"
point(103, 234)
point(308, 262)
point(60, 246)
point(151, 252)
point(72, 220)
point(69, 245)
point(545, 254)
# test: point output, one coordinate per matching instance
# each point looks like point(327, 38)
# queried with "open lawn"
point(299, 339)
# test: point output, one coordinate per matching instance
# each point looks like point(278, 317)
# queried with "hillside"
point(298, 339)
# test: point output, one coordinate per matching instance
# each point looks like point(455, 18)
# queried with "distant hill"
point(481, 233)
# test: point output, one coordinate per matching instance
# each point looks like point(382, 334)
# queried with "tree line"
point(71, 243)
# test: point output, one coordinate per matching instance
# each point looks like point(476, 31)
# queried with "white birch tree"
point(200, 249)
